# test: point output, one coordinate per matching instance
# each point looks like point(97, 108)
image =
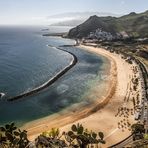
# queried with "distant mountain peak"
point(130, 25)
point(94, 16)
point(75, 18)
point(133, 13)
point(146, 12)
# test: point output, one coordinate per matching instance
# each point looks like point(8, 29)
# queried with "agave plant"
point(51, 139)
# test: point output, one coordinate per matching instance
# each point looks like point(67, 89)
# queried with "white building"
point(101, 35)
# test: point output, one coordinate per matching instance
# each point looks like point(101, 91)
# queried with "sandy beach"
point(106, 119)
point(105, 113)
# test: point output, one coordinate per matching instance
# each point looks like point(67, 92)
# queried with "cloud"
point(54, 20)
point(48, 20)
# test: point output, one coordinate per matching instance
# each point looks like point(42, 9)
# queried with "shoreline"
point(59, 120)
point(115, 119)
point(102, 114)
point(51, 80)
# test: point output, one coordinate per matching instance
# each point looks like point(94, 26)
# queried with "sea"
point(27, 62)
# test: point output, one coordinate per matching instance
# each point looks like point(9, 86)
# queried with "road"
point(144, 109)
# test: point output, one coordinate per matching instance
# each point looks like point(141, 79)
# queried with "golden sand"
point(100, 115)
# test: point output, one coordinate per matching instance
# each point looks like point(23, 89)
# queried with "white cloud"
point(54, 20)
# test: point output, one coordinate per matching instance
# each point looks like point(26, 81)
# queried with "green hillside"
point(135, 25)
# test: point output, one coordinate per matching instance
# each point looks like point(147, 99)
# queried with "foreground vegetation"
point(12, 137)
point(77, 137)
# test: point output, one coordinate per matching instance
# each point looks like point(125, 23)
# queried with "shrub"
point(77, 137)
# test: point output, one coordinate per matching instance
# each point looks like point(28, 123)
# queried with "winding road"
point(144, 110)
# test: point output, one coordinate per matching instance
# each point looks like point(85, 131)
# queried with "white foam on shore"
point(2, 95)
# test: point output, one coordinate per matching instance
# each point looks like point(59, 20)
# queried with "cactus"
point(75, 138)
point(84, 137)
point(10, 137)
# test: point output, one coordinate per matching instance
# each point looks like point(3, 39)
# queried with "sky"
point(37, 11)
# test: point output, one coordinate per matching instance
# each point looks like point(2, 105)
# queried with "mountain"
point(131, 25)
point(74, 18)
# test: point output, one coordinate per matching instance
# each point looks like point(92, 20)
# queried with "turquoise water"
point(26, 62)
